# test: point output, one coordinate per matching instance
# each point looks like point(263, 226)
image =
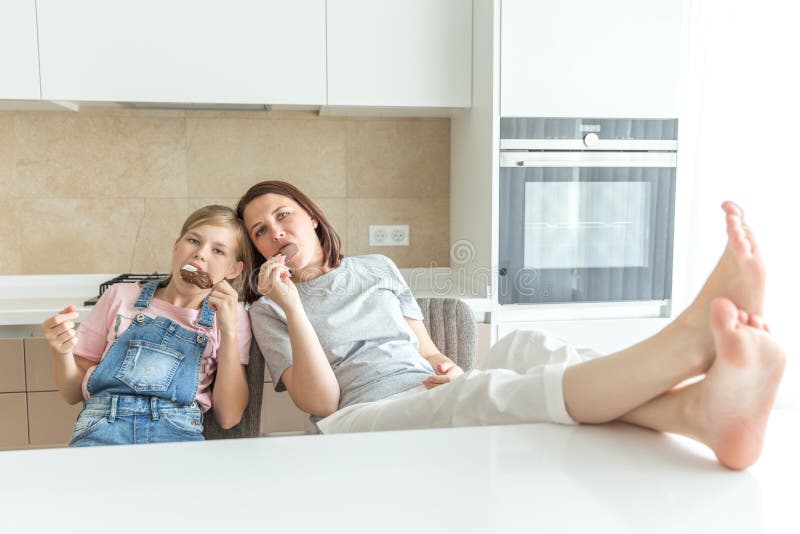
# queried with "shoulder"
point(371, 262)
point(123, 292)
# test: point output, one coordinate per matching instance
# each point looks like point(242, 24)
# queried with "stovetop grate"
point(124, 278)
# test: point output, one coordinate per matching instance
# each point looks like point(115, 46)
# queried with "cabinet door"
point(483, 334)
point(39, 372)
point(240, 51)
point(14, 417)
point(414, 53)
point(583, 58)
point(601, 335)
point(19, 56)
point(280, 415)
point(50, 418)
point(12, 366)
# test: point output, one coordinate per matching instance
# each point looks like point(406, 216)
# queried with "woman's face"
point(274, 221)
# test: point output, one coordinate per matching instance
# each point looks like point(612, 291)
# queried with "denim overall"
point(143, 390)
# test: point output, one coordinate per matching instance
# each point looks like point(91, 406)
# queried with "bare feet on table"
point(731, 405)
point(738, 276)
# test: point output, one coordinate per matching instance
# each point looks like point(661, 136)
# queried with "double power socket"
point(387, 235)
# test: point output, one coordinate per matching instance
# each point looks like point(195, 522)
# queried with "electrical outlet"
point(384, 235)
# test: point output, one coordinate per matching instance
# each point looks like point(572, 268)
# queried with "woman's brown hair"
point(328, 238)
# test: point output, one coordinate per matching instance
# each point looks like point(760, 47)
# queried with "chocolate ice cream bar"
point(198, 277)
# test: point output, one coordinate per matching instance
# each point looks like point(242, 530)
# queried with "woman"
point(345, 337)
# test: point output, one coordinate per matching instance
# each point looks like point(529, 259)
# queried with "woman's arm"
point(445, 368)
point(310, 380)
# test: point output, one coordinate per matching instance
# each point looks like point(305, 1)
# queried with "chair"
point(449, 321)
point(250, 425)
point(451, 324)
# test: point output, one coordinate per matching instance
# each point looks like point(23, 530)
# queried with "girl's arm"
point(446, 369)
point(309, 380)
point(230, 394)
point(68, 368)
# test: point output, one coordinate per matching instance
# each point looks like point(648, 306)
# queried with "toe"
point(756, 321)
point(737, 237)
point(743, 318)
point(731, 207)
point(724, 315)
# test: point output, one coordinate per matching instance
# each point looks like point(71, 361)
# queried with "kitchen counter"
point(526, 478)
point(27, 300)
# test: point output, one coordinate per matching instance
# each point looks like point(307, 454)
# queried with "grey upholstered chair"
point(250, 425)
point(449, 321)
point(451, 325)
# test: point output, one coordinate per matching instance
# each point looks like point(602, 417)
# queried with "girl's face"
point(274, 221)
point(210, 248)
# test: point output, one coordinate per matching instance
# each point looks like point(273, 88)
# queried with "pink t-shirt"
point(113, 314)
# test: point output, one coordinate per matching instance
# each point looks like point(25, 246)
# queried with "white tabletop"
point(527, 478)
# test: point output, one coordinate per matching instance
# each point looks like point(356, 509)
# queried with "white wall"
point(744, 92)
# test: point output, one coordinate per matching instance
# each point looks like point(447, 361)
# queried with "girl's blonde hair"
point(216, 215)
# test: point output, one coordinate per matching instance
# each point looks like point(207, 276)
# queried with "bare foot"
point(739, 276)
point(730, 407)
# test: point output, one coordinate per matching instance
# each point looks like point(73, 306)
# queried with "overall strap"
point(206, 317)
point(146, 295)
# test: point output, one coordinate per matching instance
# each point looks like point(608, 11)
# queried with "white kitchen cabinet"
point(602, 335)
point(414, 53)
point(19, 55)
point(583, 58)
point(183, 51)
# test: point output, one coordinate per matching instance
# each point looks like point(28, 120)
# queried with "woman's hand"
point(59, 330)
point(274, 282)
point(446, 372)
point(223, 300)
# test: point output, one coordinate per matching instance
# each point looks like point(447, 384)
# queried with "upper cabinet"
point(584, 58)
point(19, 62)
point(183, 51)
point(414, 53)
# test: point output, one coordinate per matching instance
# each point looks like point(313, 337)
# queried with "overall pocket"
point(189, 422)
point(148, 367)
point(88, 421)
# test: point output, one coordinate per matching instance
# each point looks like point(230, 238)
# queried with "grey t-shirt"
point(357, 311)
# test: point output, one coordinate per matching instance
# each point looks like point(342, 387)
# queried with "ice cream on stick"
point(196, 276)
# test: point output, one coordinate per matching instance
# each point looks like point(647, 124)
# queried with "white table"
point(528, 478)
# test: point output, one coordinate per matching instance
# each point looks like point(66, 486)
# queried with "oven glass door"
point(586, 234)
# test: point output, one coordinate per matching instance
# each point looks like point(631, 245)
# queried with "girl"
point(145, 359)
point(345, 337)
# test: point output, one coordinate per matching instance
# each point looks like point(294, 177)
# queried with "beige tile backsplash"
point(7, 156)
point(390, 158)
point(106, 190)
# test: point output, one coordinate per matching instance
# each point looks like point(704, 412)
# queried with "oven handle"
point(588, 159)
point(581, 144)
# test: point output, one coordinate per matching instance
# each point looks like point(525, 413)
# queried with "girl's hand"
point(446, 373)
point(275, 283)
point(59, 330)
point(224, 300)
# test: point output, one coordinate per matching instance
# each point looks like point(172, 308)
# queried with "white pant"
point(519, 382)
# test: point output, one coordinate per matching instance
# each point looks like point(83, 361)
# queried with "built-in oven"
point(587, 210)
